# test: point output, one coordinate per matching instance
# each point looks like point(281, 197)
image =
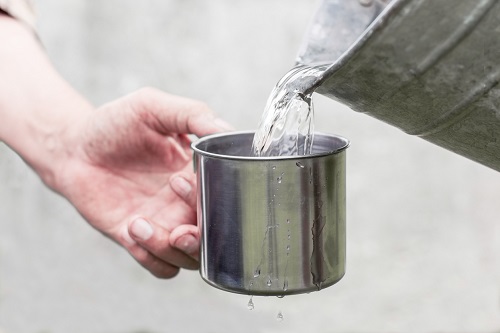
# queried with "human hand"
point(130, 175)
point(125, 166)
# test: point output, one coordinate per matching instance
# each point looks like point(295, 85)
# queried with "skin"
point(125, 166)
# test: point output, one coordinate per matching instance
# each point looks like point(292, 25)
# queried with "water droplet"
point(279, 317)
point(288, 247)
point(285, 285)
point(269, 282)
point(280, 178)
point(289, 236)
point(250, 304)
point(300, 165)
point(256, 273)
point(280, 296)
point(274, 167)
point(288, 221)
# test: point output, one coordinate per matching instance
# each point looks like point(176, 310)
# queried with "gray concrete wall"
point(423, 223)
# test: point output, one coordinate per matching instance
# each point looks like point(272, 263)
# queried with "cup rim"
point(195, 147)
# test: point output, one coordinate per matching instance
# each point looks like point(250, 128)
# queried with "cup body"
point(270, 225)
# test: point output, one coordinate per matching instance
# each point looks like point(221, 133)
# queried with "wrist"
point(40, 112)
point(52, 141)
point(46, 136)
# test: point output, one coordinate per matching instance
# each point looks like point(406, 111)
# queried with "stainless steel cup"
point(270, 225)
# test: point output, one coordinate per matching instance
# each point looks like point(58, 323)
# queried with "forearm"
point(129, 160)
point(39, 110)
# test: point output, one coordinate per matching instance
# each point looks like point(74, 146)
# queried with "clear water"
point(286, 127)
point(250, 304)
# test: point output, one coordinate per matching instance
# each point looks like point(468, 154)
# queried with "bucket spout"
point(430, 68)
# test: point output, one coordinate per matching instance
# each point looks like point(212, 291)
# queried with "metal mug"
point(270, 225)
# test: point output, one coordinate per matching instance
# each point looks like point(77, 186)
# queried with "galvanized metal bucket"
point(428, 67)
point(270, 225)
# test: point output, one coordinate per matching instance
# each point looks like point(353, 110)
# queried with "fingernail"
point(141, 229)
point(181, 186)
point(187, 243)
point(223, 124)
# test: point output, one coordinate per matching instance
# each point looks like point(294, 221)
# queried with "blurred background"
point(423, 229)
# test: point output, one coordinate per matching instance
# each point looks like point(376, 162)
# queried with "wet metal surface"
point(423, 235)
point(430, 68)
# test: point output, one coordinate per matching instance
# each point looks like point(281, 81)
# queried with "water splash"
point(286, 127)
point(279, 317)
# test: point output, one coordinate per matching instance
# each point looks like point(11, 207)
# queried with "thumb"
point(175, 114)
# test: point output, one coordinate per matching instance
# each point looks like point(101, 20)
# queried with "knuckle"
point(143, 98)
point(201, 106)
point(146, 92)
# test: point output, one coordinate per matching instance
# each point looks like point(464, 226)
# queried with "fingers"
point(186, 238)
point(175, 114)
point(184, 186)
point(150, 245)
point(154, 265)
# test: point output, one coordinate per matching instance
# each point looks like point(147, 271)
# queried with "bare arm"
point(37, 106)
point(125, 166)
